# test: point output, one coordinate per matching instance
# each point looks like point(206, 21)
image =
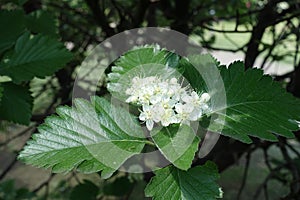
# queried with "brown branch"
point(295, 185)
point(225, 31)
point(45, 183)
point(265, 182)
point(17, 135)
point(222, 49)
point(266, 17)
point(8, 168)
point(11, 165)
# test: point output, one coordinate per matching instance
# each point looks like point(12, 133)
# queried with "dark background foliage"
point(263, 33)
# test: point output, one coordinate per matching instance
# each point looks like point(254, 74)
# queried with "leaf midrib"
point(82, 146)
point(238, 104)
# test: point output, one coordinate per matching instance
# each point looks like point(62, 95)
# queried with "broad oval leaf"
point(177, 143)
point(41, 21)
point(12, 25)
point(34, 56)
point(196, 183)
point(256, 106)
point(252, 103)
point(16, 103)
point(90, 136)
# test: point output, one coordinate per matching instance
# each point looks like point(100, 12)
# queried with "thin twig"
point(8, 168)
point(43, 183)
point(266, 192)
point(248, 158)
point(17, 136)
point(265, 151)
point(295, 186)
point(293, 149)
point(225, 31)
point(76, 177)
point(265, 182)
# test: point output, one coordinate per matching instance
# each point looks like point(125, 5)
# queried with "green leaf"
point(191, 74)
point(16, 103)
point(12, 25)
point(177, 144)
point(172, 60)
point(41, 22)
point(256, 106)
point(196, 183)
point(37, 55)
point(8, 191)
point(86, 190)
point(92, 136)
point(199, 70)
point(143, 61)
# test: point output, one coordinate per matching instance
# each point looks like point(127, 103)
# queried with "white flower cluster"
point(166, 101)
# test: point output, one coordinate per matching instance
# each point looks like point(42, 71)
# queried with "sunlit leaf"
point(91, 136)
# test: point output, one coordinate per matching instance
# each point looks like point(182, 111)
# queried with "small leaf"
point(34, 56)
point(177, 144)
point(24, 193)
point(16, 103)
point(12, 25)
point(196, 183)
point(41, 22)
point(8, 191)
point(90, 136)
point(172, 59)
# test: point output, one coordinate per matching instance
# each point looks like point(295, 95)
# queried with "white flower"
point(166, 101)
point(205, 97)
point(183, 112)
point(173, 81)
point(195, 114)
point(145, 95)
point(147, 116)
point(132, 99)
point(192, 99)
point(168, 117)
